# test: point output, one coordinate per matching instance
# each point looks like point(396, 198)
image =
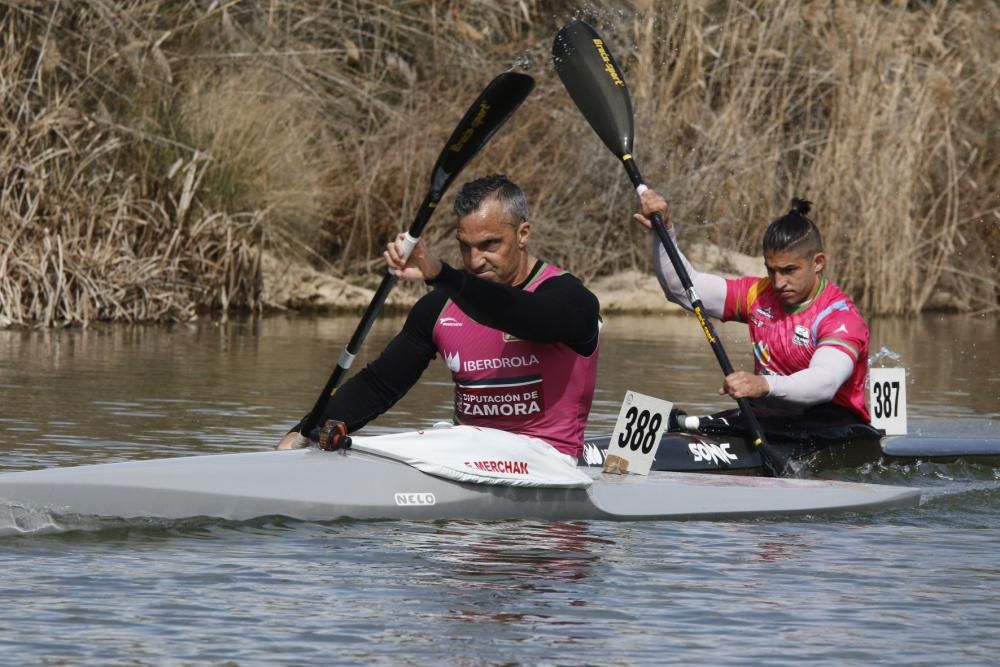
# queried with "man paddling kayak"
point(810, 343)
point(519, 335)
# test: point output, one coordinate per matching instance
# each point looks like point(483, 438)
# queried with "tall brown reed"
point(149, 149)
point(876, 111)
point(90, 228)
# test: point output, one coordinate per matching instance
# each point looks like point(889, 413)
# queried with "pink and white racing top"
point(785, 339)
point(543, 390)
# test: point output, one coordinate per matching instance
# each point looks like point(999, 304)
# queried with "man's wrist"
point(442, 271)
point(436, 268)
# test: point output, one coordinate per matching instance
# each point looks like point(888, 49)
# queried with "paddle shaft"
point(696, 305)
point(486, 115)
point(595, 82)
point(350, 352)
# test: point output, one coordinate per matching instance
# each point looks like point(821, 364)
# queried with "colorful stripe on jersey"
point(753, 293)
point(841, 343)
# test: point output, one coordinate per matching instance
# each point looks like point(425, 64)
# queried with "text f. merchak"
point(407, 499)
point(509, 467)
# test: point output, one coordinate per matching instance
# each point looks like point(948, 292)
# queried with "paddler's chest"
point(783, 342)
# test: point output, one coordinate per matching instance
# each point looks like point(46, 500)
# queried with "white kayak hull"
point(317, 485)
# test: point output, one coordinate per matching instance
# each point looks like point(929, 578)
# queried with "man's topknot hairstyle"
point(793, 231)
point(511, 197)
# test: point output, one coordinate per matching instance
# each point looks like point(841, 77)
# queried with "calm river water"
point(906, 587)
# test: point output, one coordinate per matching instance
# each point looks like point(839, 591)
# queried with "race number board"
point(887, 399)
point(641, 422)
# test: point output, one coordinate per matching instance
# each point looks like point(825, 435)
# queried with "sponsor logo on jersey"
point(509, 467)
point(801, 335)
point(519, 361)
point(453, 361)
point(507, 405)
point(711, 452)
point(407, 499)
point(842, 329)
point(763, 312)
point(508, 338)
point(449, 322)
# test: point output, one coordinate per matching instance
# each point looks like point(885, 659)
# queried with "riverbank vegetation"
point(155, 155)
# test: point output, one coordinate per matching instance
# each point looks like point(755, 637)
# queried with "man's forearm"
point(711, 288)
point(828, 370)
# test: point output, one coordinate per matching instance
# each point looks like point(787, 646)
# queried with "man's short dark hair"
point(793, 231)
point(511, 197)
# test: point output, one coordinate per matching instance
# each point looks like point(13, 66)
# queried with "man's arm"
point(560, 310)
point(711, 288)
point(387, 379)
point(828, 370)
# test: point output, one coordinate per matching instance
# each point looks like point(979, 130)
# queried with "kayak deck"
point(312, 484)
point(973, 441)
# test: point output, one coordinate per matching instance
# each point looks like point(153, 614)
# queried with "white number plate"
point(641, 422)
point(887, 399)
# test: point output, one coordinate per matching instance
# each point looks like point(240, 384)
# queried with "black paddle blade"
point(595, 82)
point(486, 115)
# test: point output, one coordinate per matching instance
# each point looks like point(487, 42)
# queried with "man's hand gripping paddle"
point(486, 115)
point(596, 84)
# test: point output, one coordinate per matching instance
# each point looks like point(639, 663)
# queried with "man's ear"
point(523, 234)
point(819, 262)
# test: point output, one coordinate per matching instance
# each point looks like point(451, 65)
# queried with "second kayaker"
point(809, 341)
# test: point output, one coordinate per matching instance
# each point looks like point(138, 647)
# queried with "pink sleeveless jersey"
point(543, 390)
point(784, 340)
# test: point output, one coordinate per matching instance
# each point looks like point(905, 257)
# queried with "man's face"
point(794, 275)
point(492, 248)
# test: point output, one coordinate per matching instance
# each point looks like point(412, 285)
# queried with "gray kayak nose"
point(312, 484)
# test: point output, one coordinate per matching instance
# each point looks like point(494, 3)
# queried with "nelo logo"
point(408, 499)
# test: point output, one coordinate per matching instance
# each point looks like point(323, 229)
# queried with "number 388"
point(640, 430)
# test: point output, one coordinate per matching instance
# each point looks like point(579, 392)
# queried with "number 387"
point(640, 430)
point(885, 399)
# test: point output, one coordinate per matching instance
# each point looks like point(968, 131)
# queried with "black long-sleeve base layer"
point(560, 310)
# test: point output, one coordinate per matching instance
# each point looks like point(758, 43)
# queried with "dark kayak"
point(721, 450)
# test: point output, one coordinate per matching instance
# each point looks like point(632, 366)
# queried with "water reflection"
point(497, 553)
point(509, 572)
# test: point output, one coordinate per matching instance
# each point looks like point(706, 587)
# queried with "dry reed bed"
point(150, 149)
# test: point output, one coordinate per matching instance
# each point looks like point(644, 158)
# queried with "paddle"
point(596, 84)
point(486, 115)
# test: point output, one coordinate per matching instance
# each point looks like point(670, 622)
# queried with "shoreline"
point(634, 292)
